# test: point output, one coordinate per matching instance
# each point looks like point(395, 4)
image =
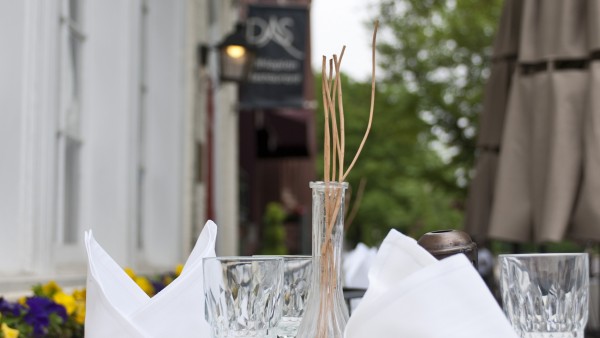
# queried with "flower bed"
point(52, 312)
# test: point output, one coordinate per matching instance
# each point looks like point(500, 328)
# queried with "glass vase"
point(326, 314)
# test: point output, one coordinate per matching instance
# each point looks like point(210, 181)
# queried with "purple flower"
point(157, 286)
point(9, 308)
point(38, 316)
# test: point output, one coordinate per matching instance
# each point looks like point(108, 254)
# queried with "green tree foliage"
point(439, 50)
point(433, 60)
point(274, 230)
point(397, 163)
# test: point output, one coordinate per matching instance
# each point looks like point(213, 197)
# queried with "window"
point(143, 90)
point(69, 132)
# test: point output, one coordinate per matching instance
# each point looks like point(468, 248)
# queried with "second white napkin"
point(117, 307)
point(411, 294)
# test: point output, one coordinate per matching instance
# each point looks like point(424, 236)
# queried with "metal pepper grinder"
point(443, 243)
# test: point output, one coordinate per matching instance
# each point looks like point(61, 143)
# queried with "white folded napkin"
point(411, 294)
point(356, 265)
point(116, 306)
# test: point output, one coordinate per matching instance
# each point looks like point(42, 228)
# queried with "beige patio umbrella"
point(548, 166)
point(491, 121)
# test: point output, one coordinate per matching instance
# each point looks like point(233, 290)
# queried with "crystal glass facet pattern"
point(296, 284)
point(546, 295)
point(243, 295)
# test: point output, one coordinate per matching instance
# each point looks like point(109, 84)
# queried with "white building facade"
point(103, 126)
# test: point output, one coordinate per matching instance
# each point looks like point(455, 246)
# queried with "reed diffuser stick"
point(372, 108)
point(334, 176)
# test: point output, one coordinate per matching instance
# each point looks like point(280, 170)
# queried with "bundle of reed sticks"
point(333, 171)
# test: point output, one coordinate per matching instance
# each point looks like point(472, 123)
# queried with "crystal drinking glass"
point(546, 295)
point(243, 295)
point(297, 273)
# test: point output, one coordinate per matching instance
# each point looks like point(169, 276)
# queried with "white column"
point(226, 159)
point(194, 14)
point(38, 101)
point(12, 16)
point(164, 156)
point(108, 100)
point(226, 164)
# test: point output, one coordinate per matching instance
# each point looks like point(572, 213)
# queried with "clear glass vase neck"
point(326, 313)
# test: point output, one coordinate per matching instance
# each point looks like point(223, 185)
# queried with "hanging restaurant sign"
point(280, 36)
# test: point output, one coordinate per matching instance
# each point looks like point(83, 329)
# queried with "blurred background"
point(142, 119)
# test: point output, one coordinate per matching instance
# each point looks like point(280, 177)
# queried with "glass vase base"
point(570, 334)
point(247, 334)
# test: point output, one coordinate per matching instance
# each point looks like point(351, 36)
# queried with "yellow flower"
point(80, 312)
point(130, 273)
point(51, 288)
point(178, 269)
point(79, 294)
point(8, 332)
point(65, 300)
point(145, 285)
point(22, 300)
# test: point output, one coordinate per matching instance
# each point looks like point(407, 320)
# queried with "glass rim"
point(243, 258)
point(550, 254)
point(335, 184)
point(287, 256)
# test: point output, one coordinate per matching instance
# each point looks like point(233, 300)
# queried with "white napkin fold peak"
point(117, 307)
point(411, 294)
